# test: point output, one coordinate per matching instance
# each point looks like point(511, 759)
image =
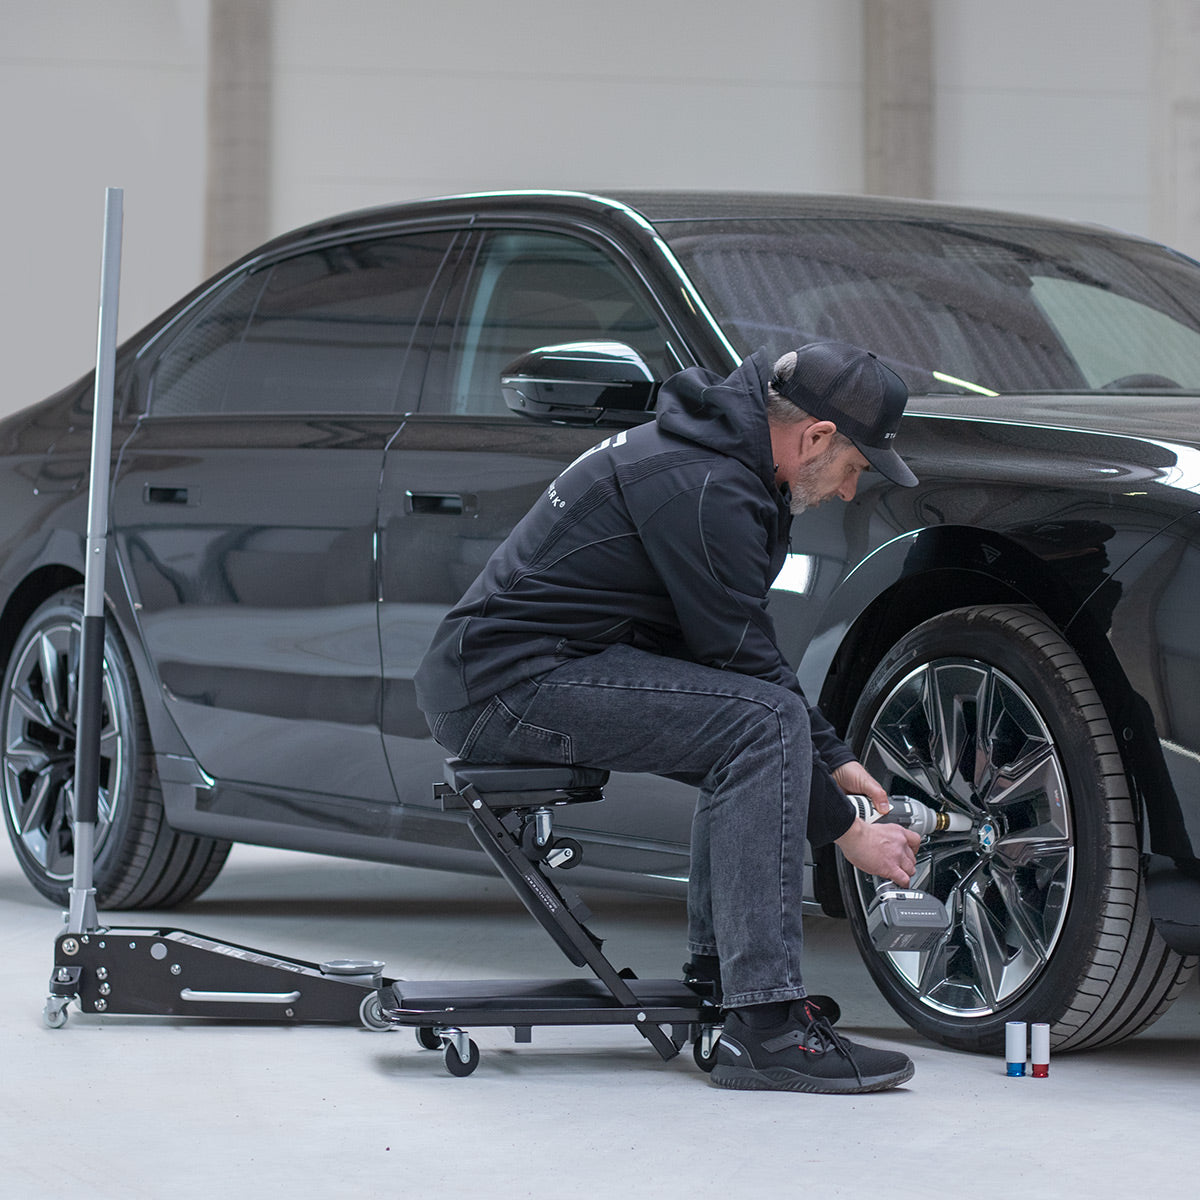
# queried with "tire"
point(988, 712)
point(139, 861)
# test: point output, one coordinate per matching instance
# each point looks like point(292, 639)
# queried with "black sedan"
point(315, 452)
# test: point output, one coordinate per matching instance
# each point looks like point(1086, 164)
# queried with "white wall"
point(1041, 105)
point(94, 95)
point(1044, 106)
point(415, 99)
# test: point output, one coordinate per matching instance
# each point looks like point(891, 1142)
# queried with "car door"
point(245, 510)
point(465, 469)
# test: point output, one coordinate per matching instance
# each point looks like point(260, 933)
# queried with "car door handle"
point(442, 504)
point(157, 494)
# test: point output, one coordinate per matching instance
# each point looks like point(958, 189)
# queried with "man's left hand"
point(855, 780)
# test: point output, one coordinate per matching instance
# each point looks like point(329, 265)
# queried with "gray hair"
point(780, 410)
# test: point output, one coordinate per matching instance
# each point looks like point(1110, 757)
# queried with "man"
point(623, 625)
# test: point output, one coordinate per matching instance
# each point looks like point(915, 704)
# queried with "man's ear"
point(816, 439)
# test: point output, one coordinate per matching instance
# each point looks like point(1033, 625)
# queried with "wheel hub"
point(986, 837)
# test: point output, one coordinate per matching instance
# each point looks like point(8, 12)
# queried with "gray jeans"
point(743, 742)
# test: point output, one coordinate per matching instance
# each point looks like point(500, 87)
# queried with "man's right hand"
point(887, 850)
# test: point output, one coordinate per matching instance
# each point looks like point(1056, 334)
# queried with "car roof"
point(622, 206)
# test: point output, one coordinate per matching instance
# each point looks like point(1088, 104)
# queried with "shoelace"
point(818, 1037)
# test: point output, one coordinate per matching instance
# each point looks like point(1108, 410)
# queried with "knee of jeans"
point(793, 714)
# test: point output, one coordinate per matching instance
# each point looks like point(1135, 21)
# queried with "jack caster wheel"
point(459, 1066)
point(370, 1013)
point(54, 1017)
point(427, 1038)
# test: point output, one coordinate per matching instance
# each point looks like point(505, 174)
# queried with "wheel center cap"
point(987, 837)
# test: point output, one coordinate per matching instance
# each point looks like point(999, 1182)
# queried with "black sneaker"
point(802, 1054)
point(706, 979)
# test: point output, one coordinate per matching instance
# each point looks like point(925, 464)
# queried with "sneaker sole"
point(750, 1079)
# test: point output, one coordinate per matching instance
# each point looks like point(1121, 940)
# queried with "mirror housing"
point(581, 383)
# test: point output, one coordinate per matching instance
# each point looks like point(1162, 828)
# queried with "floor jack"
point(509, 810)
point(173, 973)
point(158, 971)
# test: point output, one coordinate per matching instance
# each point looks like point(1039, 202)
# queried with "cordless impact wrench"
point(902, 918)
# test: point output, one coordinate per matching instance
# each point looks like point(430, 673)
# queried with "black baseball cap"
point(838, 382)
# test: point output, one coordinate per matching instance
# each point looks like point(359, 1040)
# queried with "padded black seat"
point(526, 785)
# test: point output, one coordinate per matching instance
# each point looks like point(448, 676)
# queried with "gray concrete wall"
point(228, 119)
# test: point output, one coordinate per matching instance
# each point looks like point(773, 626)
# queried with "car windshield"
point(956, 307)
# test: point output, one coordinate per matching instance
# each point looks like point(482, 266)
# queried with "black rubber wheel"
point(427, 1038)
point(988, 712)
point(705, 1062)
point(459, 1066)
point(139, 861)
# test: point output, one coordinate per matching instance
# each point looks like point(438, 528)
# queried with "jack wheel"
point(370, 1013)
point(459, 1066)
point(427, 1038)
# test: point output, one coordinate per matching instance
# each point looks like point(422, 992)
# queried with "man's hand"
point(854, 779)
point(877, 849)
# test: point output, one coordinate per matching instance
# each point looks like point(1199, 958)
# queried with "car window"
point(530, 289)
point(1116, 339)
point(324, 332)
point(956, 307)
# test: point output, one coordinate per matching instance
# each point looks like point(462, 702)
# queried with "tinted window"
point(539, 289)
point(956, 307)
point(324, 332)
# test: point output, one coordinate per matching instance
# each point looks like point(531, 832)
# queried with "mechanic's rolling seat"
point(509, 810)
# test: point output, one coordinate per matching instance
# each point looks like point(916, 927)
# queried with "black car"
point(315, 452)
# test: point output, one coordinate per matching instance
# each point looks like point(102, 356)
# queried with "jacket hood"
point(726, 415)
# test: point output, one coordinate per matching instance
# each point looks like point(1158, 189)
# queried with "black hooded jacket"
point(666, 537)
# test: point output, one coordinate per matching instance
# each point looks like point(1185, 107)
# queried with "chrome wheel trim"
point(39, 749)
point(962, 735)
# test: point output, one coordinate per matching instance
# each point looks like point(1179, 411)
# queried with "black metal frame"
point(502, 804)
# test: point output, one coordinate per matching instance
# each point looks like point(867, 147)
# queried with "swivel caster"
point(704, 1049)
point(54, 1015)
point(455, 1063)
point(427, 1038)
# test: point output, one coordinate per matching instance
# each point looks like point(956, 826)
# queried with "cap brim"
point(889, 464)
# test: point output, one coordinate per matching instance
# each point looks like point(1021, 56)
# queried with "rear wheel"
point(139, 861)
point(987, 712)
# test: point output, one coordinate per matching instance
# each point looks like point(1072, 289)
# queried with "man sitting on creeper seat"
point(623, 624)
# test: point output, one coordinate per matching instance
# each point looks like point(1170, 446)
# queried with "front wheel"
point(988, 713)
point(140, 862)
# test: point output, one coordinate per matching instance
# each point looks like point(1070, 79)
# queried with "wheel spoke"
point(957, 696)
point(987, 954)
point(33, 708)
point(32, 814)
point(26, 756)
point(54, 684)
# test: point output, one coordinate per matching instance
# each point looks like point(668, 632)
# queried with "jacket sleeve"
point(710, 542)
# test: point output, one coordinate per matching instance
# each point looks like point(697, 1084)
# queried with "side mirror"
point(581, 383)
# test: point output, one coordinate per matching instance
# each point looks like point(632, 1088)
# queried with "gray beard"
point(804, 486)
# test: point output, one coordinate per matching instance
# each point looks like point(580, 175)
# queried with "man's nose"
point(848, 489)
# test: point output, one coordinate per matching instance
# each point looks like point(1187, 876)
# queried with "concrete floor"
point(146, 1107)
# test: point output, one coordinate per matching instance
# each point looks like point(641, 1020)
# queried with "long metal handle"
point(82, 914)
